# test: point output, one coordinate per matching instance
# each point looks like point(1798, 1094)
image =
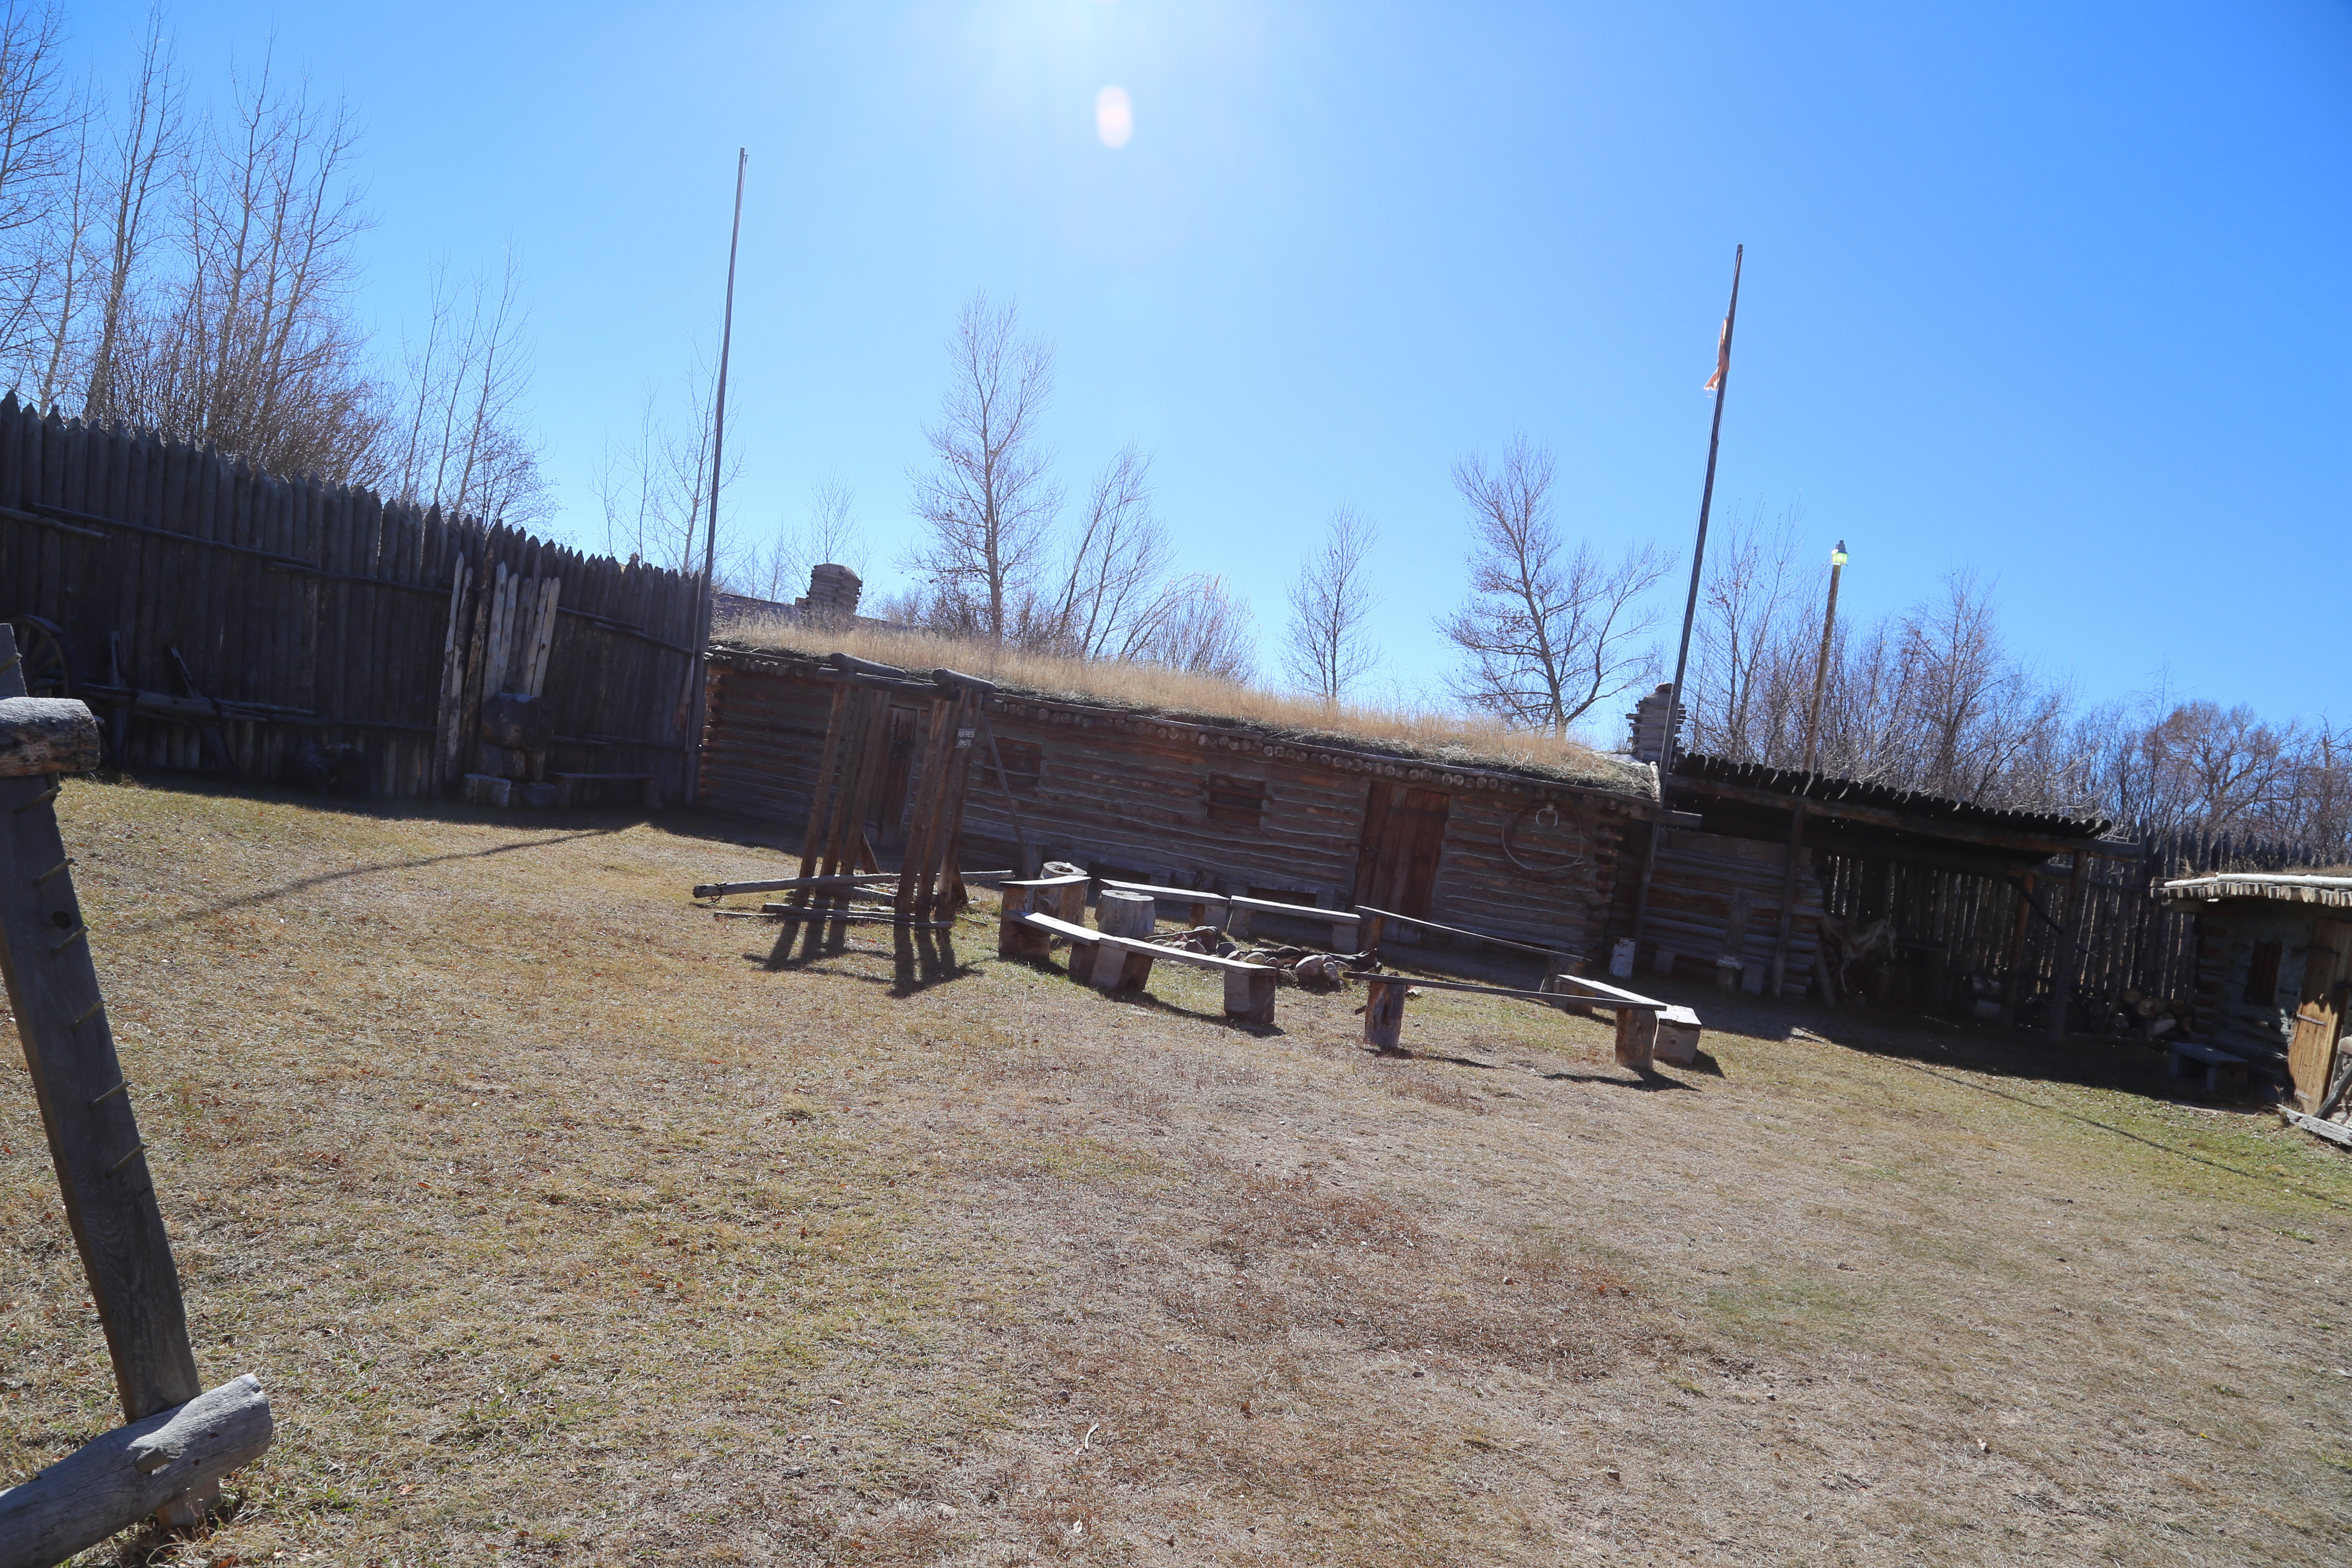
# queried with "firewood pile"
point(1297, 966)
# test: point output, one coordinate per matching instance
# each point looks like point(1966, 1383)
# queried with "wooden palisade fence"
point(1975, 924)
point(219, 617)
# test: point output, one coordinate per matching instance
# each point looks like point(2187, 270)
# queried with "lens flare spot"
point(1114, 116)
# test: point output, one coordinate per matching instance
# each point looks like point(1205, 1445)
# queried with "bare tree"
point(249, 342)
point(1204, 631)
point(1744, 698)
point(459, 444)
point(828, 533)
point(1112, 593)
point(1549, 632)
point(655, 491)
point(989, 500)
point(149, 141)
point(1324, 647)
point(40, 159)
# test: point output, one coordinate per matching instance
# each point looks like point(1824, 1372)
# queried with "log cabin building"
point(2273, 969)
point(1530, 854)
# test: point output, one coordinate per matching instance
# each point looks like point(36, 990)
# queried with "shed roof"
point(1602, 771)
point(2279, 887)
point(1701, 768)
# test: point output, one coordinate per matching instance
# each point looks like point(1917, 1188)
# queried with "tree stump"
point(1385, 1013)
point(1121, 913)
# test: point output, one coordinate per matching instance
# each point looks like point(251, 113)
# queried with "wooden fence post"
point(2062, 975)
point(84, 1102)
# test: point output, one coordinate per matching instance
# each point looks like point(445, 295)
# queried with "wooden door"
point(2312, 1055)
point(1396, 859)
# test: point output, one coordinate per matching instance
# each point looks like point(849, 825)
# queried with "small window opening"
point(1239, 803)
point(2262, 974)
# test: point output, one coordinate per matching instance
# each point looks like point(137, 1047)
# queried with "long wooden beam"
point(1623, 1002)
point(1880, 816)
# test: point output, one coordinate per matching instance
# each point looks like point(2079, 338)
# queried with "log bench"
point(1123, 963)
point(1346, 924)
point(1638, 1018)
point(566, 784)
point(2223, 1073)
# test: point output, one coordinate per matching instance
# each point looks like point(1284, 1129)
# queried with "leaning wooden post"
point(2062, 979)
point(78, 1082)
point(1385, 1013)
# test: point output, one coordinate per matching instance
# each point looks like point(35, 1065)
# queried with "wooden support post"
point(109, 1198)
point(1120, 968)
point(2062, 979)
point(1014, 940)
point(85, 1112)
point(1788, 900)
point(1637, 1038)
point(1384, 1011)
point(1368, 932)
point(2013, 976)
point(1249, 994)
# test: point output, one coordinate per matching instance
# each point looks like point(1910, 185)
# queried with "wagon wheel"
point(1543, 842)
point(48, 657)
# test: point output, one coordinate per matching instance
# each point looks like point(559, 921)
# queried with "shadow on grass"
point(1647, 1083)
point(2269, 1180)
point(302, 884)
point(919, 958)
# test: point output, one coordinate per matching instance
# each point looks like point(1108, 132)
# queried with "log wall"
point(324, 610)
point(1127, 795)
point(1698, 875)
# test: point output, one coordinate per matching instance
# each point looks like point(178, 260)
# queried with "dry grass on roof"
point(1462, 739)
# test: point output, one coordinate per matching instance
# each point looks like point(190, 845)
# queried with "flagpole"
point(696, 672)
point(1722, 383)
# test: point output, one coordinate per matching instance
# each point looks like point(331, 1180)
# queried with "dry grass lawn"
point(562, 1228)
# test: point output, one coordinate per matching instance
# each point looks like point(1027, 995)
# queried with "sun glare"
point(1114, 116)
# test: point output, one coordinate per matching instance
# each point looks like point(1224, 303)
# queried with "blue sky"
point(2054, 292)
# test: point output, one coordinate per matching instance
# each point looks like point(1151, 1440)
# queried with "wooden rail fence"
point(220, 617)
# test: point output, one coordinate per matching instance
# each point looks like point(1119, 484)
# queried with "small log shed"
point(1221, 806)
point(1774, 839)
point(2274, 969)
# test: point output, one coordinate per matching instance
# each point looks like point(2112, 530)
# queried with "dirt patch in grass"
point(563, 1227)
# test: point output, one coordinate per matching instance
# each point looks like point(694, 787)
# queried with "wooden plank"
point(2334, 1131)
point(2318, 1014)
point(109, 1195)
point(1625, 1000)
point(1193, 896)
point(1450, 930)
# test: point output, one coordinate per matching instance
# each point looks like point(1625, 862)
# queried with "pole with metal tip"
point(1721, 384)
point(698, 669)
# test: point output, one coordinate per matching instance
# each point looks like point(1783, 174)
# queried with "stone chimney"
point(832, 595)
point(1648, 741)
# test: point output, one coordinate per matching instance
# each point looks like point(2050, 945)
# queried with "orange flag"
point(1722, 357)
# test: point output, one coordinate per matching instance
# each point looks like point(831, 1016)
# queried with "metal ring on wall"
point(1548, 865)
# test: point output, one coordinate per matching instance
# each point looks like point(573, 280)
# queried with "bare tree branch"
point(1325, 650)
point(1547, 633)
point(989, 499)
